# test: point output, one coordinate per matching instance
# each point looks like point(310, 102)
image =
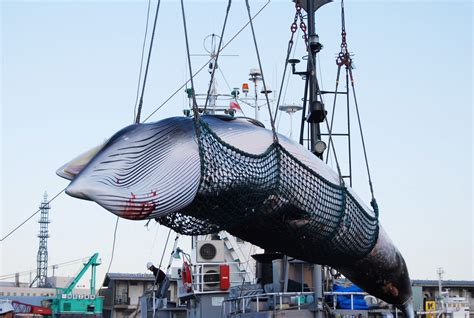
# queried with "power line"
point(8, 276)
point(31, 216)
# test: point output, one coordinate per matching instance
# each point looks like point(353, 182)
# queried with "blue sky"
point(69, 73)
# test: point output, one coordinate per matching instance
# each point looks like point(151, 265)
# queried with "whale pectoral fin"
point(72, 168)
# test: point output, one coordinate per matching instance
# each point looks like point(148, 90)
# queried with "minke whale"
point(228, 174)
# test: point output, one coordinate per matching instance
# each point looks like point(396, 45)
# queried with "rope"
point(343, 18)
point(154, 239)
point(217, 55)
point(373, 202)
point(113, 245)
point(289, 74)
point(333, 108)
point(159, 268)
point(137, 119)
point(225, 79)
point(164, 250)
point(141, 60)
point(205, 64)
point(175, 247)
point(272, 119)
point(294, 27)
point(341, 179)
point(195, 106)
point(345, 59)
point(29, 218)
point(228, 86)
point(113, 251)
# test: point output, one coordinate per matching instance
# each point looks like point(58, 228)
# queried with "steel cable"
point(137, 119)
point(205, 64)
point(141, 60)
point(272, 119)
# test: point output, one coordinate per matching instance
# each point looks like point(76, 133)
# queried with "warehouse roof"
point(445, 283)
point(128, 276)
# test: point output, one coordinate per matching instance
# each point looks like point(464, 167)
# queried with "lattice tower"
point(42, 257)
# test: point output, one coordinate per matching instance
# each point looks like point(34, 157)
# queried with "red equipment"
point(224, 276)
point(20, 307)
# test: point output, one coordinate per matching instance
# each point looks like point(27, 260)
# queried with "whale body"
point(163, 170)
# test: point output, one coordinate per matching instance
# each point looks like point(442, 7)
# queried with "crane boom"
point(93, 261)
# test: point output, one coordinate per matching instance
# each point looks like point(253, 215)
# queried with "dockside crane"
point(68, 304)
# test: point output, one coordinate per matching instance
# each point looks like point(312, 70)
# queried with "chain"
point(302, 24)
point(293, 29)
point(344, 57)
point(294, 26)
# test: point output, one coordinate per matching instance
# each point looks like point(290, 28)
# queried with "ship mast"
point(316, 115)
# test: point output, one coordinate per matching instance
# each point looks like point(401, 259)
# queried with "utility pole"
point(440, 273)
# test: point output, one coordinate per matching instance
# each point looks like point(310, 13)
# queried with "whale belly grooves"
point(144, 171)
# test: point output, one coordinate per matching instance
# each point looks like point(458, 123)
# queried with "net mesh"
point(273, 200)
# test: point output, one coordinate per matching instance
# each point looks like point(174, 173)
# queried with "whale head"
point(143, 171)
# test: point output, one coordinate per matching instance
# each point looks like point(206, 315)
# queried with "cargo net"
point(274, 201)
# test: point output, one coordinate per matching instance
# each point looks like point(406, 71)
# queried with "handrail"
point(239, 303)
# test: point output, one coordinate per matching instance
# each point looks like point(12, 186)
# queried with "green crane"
point(68, 304)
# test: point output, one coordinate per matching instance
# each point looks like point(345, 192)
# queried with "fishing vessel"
point(217, 278)
point(183, 171)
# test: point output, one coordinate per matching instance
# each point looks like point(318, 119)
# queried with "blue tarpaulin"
point(344, 301)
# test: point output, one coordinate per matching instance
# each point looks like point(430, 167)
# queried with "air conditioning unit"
point(210, 277)
point(210, 251)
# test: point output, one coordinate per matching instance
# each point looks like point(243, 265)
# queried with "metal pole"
point(93, 273)
point(348, 127)
point(285, 279)
point(318, 289)
point(313, 82)
point(256, 99)
point(315, 135)
point(303, 113)
point(291, 125)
